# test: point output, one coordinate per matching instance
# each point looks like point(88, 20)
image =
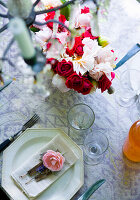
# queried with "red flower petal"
point(85, 10)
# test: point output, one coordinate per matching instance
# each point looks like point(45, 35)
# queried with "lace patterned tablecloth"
point(17, 105)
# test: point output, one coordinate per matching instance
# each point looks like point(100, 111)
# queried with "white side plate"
point(26, 145)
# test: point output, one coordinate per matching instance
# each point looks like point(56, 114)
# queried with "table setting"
point(70, 100)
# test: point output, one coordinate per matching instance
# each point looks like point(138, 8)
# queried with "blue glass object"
point(135, 49)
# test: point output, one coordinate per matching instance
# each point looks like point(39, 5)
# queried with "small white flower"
point(87, 62)
point(59, 82)
point(44, 34)
point(106, 55)
point(83, 20)
point(100, 69)
point(92, 46)
point(84, 64)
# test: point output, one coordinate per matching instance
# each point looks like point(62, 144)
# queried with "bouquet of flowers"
point(77, 60)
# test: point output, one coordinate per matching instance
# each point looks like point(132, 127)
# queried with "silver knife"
point(91, 190)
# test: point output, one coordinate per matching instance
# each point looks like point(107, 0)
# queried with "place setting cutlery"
point(28, 124)
point(87, 194)
point(32, 121)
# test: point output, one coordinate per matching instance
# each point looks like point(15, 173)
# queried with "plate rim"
point(67, 137)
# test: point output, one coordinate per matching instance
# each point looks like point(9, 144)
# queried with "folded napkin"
point(33, 189)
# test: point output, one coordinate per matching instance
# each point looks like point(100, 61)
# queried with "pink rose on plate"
point(53, 160)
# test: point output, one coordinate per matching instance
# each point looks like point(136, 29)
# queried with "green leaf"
point(65, 11)
point(34, 29)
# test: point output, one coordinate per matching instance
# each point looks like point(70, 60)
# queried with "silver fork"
point(28, 124)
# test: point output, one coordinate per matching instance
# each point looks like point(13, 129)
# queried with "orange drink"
point(131, 147)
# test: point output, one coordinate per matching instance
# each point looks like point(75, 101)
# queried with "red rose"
point(85, 10)
point(48, 17)
point(65, 68)
point(53, 62)
point(104, 83)
point(75, 82)
point(77, 48)
point(88, 33)
point(70, 52)
point(87, 85)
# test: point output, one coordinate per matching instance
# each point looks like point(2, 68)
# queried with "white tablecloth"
point(16, 106)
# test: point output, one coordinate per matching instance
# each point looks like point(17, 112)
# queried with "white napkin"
point(33, 189)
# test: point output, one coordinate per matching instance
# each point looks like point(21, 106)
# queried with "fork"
point(28, 124)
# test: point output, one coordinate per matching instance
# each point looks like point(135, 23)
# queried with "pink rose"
point(53, 160)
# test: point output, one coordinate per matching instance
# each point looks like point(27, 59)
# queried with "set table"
point(17, 105)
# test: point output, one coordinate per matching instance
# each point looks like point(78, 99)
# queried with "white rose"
point(59, 82)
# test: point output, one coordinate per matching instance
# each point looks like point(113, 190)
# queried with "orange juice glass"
point(131, 147)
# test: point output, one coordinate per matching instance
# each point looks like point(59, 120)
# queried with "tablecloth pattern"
point(17, 105)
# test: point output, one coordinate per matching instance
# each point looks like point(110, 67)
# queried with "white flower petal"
point(100, 69)
point(51, 3)
point(44, 34)
point(78, 68)
point(91, 46)
point(106, 55)
point(83, 20)
point(62, 37)
point(41, 19)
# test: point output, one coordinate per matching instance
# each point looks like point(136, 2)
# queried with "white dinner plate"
point(24, 147)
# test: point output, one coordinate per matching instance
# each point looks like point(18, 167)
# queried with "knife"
point(91, 190)
point(135, 49)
